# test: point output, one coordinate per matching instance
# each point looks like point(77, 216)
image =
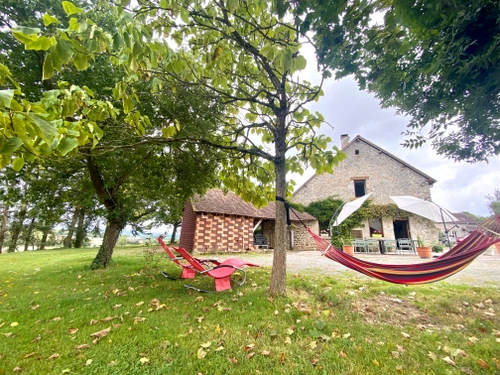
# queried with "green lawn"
point(59, 317)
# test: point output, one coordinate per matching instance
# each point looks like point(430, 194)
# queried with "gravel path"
point(484, 271)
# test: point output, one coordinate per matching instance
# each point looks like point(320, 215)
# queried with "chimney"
point(344, 140)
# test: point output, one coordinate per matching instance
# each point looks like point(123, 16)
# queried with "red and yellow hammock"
point(448, 264)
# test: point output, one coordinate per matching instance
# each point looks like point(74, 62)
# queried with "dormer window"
point(359, 188)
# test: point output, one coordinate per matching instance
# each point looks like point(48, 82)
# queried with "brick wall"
point(223, 233)
point(188, 228)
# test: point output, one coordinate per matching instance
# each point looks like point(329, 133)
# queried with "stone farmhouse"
point(224, 222)
point(369, 168)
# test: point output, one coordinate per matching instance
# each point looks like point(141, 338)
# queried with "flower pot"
point(424, 252)
point(348, 249)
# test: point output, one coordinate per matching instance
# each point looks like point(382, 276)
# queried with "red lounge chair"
point(188, 272)
point(221, 272)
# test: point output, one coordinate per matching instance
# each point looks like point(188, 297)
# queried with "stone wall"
point(223, 233)
point(302, 240)
point(384, 177)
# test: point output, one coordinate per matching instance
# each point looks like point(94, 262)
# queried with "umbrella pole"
point(333, 219)
point(445, 229)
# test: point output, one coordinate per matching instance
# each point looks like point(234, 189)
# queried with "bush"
point(437, 249)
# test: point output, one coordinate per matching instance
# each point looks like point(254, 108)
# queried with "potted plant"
point(347, 246)
point(424, 252)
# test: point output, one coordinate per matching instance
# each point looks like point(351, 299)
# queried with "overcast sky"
point(460, 186)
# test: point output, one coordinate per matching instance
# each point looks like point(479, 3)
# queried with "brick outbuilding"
point(224, 222)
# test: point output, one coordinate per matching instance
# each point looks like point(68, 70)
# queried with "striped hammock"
point(448, 264)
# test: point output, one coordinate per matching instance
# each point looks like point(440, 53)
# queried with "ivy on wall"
point(375, 211)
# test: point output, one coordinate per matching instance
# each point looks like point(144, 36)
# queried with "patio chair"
point(360, 246)
point(187, 269)
point(373, 246)
point(390, 246)
point(221, 272)
point(406, 244)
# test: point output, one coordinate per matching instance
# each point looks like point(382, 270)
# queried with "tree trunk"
point(15, 229)
point(27, 237)
point(43, 241)
point(174, 231)
point(68, 241)
point(111, 234)
point(3, 226)
point(80, 230)
point(278, 273)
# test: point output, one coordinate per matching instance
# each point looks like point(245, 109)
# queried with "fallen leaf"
point(139, 303)
point(37, 338)
point(432, 355)
point(282, 357)
point(82, 346)
point(17, 369)
point(72, 331)
point(250, 355)
point(201, 353)
point(497, 362)
point(314, 361)
point(34, 307)
point(54, 356)
point(483, 364)
point(8, 334)
point(375, 362)
point(405, 335)
point(395, 354)
point(29, 354)
point(117, 306)
point(108, 318)
point(100, 334)
point(56, 319)
point(233, 360)
point(93, 322)
point(88, 362)
point(288, 340)
point(198, 299)
point(249, 347)
point(154, 302)
point(14, 324)
point(342, 354)
point(144, 360)
point(265, 353)
point(449, 361)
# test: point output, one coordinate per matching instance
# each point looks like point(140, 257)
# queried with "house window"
point(359, 188)
point(376, 229)
point(356, 152)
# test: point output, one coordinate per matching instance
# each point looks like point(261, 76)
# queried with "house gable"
point(383, 174)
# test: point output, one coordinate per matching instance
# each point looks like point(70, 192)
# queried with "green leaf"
point(11, 146)
point(128, 104)
point(63, 51)
point(70, 8)
point(79, 27)
point(18, 163)
point(287, 60)
point(26, 30)
point(6, 97)
point(49, 20)
point(81, 61)
point(66, 145)
point(232, 5)
point(46, 129)
point(300, 62)
point(40, 44)
point(185, 15)
point(48, 68)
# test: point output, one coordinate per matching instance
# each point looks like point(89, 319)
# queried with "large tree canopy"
point(242, 54)
point(436, 61)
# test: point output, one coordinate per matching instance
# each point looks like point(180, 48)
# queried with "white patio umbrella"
point(427, 209)
point(347, 210)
